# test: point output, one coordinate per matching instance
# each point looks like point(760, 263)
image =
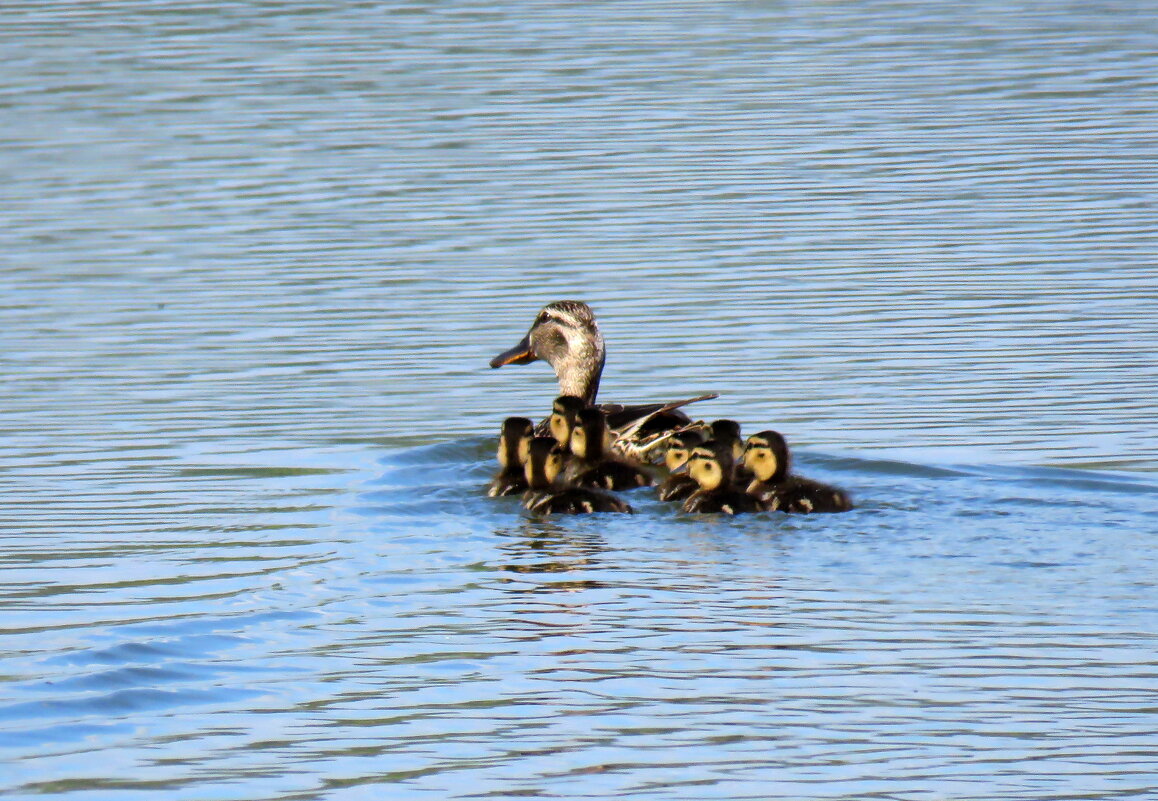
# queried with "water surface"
point(256, 259)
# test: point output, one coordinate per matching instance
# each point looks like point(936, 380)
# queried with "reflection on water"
point(255, 263)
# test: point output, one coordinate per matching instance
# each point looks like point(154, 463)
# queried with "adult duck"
point(566, 335)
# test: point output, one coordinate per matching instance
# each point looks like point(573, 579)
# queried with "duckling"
point(710, 465)
point(727, 432)
point(566, 335)
point(514, 437)
point(546, 496)
point(564, 415)
point(679, 485)
point(766, 455)
point(592, 463)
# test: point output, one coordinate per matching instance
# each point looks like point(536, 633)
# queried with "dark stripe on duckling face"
point(679, 448)
point(675, 456)
point(766, 455)
point(704, 466)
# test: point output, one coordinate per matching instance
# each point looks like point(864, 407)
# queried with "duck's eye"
point(542, 318)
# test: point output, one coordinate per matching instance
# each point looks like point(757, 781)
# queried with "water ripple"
point(255, 265)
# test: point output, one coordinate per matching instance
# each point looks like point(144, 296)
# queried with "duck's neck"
point(579, 375)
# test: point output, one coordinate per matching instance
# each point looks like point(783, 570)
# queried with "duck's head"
point(679, 448)
point(544, 462)
point(590, 439)
point(727, 432)
point(710, 465)
point(564, 416)
point(514, 437)
point(766, 455)
point(566, 336)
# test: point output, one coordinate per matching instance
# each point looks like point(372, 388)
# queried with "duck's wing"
point(641, 437)
point(577, 501)
point(628, 420)
point(637, 429)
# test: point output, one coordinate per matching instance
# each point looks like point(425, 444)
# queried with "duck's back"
point(612, 475)
point(727, 501)
point(801, 496)
point(577, 500)
point(621, 416)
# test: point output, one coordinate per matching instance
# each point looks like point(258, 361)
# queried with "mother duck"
point(567, 337)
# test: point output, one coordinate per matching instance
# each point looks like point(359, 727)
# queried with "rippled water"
point(256, 257)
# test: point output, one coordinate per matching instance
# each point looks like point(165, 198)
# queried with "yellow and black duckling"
point(564, 417)
point(593, 464)
point(514, 437)
point(766, 455)
point(727, 432)
point(678, 486)
point(546, 495)
point(710, 465)
point(566, 336)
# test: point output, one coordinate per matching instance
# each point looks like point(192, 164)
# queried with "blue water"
point(255, 262)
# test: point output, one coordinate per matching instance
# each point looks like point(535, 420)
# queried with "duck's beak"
point(519, 354)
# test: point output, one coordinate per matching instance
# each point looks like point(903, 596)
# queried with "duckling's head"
point(544, 462)
point(679, 448)
point(513, 438)
point(566, 336)
point(564, 415)
point(589, 439)
point(728, 433)
point(710, 465)
point(766, 455)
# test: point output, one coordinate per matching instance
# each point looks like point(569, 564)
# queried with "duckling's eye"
point(542, 318)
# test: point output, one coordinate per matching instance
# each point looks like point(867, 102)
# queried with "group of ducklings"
point(711, 469)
